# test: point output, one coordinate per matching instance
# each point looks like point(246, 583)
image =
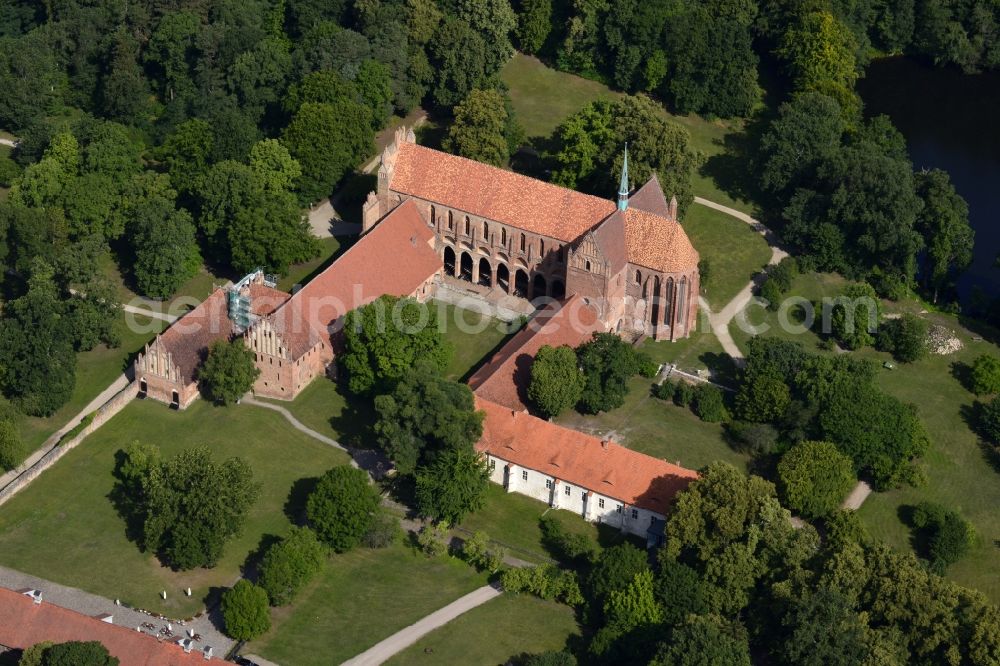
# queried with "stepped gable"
point(602, 467)
point(24, 623)
point(504, 379)
point(396, 257)
point(658, 243)
point(496, 194)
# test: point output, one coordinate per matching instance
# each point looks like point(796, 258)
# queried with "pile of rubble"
point(942, 341)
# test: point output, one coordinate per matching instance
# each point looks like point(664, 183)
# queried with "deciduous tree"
point(943, 221)
point(229, 371)
point(289, 565)
point(478, 130)
point(343, 507)
point(245, 611)
point(452, 485)
point(556, 380)
point(815, 477)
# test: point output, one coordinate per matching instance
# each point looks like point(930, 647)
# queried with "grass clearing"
point(95, 371)
point(494, 633)
point(963, 471)
point(735, 252)
point(658, 429)
point(513, 521)
point(361, 598)
point(64, 528)
point(474, 337)
point(302, 273)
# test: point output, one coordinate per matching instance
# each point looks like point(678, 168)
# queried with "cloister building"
point(630, 259)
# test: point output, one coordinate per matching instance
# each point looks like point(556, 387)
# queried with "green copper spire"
point(623, 188)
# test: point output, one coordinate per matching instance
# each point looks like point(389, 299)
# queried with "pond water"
point(951, 121)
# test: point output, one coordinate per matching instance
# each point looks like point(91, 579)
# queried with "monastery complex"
point(590, 264)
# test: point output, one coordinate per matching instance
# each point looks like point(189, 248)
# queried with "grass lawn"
point(64, 528)
point(474, 338)
point(493, 633)
point(512, 520)
point(658, 429)
point(95, 370)
point(361, 598)
point(735, 252)
point(810, 286)
point(697, 353)
point(543, 97)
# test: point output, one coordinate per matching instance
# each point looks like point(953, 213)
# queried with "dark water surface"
point(951, 121)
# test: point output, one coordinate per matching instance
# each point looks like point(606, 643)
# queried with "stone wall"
point(100, 416)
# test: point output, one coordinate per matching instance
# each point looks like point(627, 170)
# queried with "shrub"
point(646, 366)
point(546, 581)
point(433, 539)
point(784, 273)
point(985, 375)
point(708, 404)
point(244, 611)
point(771, 292)
point(943, 536)
point(905, 338)
point(343, 507)
point(71, 653)
point(569, 548)
point(12, 449)
point(755, 439)
point(478, 552)
point(989, 420)
point(664, 390)
point(814, 478)
point(290, 564)
point(384, 532)
point(684, 394)
point(853, 316)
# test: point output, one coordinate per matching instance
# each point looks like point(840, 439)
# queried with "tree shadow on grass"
point(295, 503)
point(212, 601)
point(125, 505)
point(251, 565)
point(355, 424)
point(963, 373)
point(729, 168)
point(721, 365)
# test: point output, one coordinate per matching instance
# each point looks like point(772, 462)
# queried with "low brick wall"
point(100, 416)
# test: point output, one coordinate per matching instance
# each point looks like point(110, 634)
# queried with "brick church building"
point(630, 259)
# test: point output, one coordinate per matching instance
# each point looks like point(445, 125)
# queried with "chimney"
point(604, 444)
point(36, 595)
point(106, 617)
point(187, 644)
point(208, 652)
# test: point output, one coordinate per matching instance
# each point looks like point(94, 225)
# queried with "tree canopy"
point(342, 507)
point(556, 380)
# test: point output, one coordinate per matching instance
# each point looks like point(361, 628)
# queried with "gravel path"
point(382, 651)
point(162, 316)
point(92, 604)
point(8, 142)
point(719, 321)
point(857, 496)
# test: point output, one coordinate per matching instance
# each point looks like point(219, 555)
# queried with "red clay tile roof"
point(188, 338)
point(395, 258)
point(264, 300)
point(24, 623)
point(504, 379)
point(496, 194)
point(605, 468)
point(610, 236)
point(650, 198)
point(656, 242)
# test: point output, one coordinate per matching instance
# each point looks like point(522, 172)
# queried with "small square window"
point(548, 484)
point(493, 464)
point(619, 508)
point(524, 475)
point(635, 514)
point(600, 502)
point(569, 491)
